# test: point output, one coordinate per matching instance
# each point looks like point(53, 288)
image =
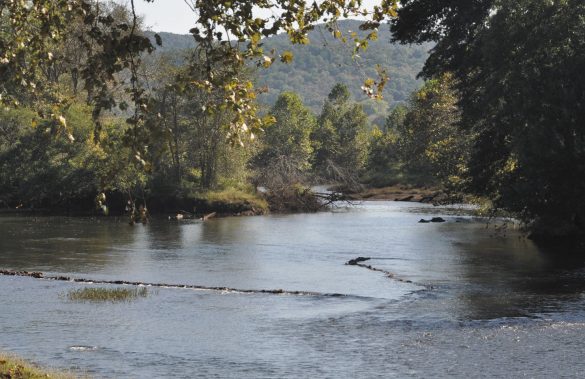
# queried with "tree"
point(429, 142)
point(35, 37)
point(384, 165)
point(37, 170)
point(383, 158)
point(341, 137)
point(395, 119)
point(421, 143)
point(519, 72)
point(284, 160)
point(228, 33)
point(289, 137)
point(193, 152)
point(452, 24)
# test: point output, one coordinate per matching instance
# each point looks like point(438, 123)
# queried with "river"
point(467, 299)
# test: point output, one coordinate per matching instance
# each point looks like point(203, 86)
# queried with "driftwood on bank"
point(183, 215)
point(208, 216)
point(330, 198)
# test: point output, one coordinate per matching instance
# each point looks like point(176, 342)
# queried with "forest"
point(325, 61)
point(91, 118)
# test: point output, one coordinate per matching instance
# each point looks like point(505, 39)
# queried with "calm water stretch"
point(484, 302)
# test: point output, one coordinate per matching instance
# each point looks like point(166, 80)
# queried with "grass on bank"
point(15, 368)
point(236, 196)
point(102, 294)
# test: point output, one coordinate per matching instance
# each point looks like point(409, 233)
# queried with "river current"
point(467, 298)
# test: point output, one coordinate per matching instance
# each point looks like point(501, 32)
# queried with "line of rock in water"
point(40, 275)
point(357, 262)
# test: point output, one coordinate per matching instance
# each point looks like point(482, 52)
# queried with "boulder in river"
point(434, 219)
point(353, 262)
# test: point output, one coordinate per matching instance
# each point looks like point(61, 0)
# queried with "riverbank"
point(12, 367)
point(223, 203)
point(399, 193)
point(228, 202)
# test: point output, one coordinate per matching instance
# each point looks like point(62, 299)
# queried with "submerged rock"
point(434, 219)
point(353, 262)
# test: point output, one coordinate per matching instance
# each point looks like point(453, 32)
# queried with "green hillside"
point(326, 61)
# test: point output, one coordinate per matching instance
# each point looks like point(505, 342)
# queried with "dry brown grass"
point(12, 367)
point(102, 294)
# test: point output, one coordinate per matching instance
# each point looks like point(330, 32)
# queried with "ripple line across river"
point(357, 262)
point(40, 275)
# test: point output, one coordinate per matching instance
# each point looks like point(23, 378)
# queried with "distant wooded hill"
point(317, 67)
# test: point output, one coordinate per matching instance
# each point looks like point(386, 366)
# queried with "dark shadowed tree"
point(519, 70)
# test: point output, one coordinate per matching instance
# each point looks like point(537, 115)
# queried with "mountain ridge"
point(318, 66)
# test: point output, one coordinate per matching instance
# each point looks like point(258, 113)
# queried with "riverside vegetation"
point(101, 294)
point(12, 367)
point(90, 119)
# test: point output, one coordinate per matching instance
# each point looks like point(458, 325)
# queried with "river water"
point(483, 302)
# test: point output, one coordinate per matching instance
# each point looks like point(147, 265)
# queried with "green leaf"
point(287, 57)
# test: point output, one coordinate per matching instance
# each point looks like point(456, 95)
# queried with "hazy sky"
point(173, 15)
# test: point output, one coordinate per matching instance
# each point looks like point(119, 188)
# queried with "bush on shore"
point(15, 368)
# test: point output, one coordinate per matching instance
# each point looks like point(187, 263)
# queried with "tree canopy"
point(228, 34)
point(341, 137)
point(519, 71)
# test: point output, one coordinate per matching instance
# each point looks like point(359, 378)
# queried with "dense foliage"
point(94, 117)
point(227, 33)
point(341, 138)
point(501, 113)
point(519, 71)
point(38, 170)
point(421, 143)
point(186, 150)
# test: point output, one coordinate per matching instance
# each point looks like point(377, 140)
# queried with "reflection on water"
point(60, 244)
point(494, 296)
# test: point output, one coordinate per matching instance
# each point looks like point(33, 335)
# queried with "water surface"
point(483, 302)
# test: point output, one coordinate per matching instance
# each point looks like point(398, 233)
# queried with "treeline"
point(149, 133)
point(500, 116)
point(190, 155)
point(418, 146)
point(112, 139)
point(518, 70)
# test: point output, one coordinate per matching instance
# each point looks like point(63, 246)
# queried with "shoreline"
point(398, 193)
point(217, 205)
point(201, 208)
